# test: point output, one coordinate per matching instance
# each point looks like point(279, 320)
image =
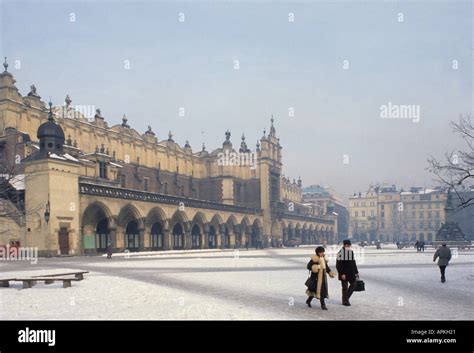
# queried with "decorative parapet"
point(128, 194)
point(300, 217)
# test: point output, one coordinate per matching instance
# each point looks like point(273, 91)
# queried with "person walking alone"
point(347, 271)
point(109, 250)
point(443, 254)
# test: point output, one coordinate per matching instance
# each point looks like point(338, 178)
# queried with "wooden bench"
point(78, 275)
point(30, 282)
point(47, 279)
point(5, 282)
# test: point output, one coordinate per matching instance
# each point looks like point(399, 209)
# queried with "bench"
point(78, 275)
point(47, 279)
point(30, 282)
point(5, 282)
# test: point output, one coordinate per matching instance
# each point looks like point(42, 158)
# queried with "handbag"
point(359, 286)
point(310, 283)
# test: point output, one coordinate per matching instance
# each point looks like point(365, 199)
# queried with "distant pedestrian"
point(417, 246)
point(347, 271)
point(247, 244)
point(317, 283)
point(422, 246)
point(109, 250)
point(444, 255)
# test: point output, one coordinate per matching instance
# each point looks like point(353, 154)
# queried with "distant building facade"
point(322, 200)
point(387, 214)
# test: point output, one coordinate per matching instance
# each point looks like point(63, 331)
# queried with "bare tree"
point(456, 172)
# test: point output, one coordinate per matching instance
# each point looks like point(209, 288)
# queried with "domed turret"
point(50, 135)
point(330, 207)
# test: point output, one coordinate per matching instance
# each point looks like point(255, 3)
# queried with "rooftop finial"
point(124, 121)
point(50, 114)
point(170, 136)
point(272, 128)
point(68, 100)
point(5, 64)
point(243, 137)
point(203, 146)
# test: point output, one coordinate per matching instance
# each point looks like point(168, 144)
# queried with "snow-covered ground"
point(254, 284)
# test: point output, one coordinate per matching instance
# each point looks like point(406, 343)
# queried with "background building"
point(387, 214)
point(323, 198)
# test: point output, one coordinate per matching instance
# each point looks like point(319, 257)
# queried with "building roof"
point(315, 189)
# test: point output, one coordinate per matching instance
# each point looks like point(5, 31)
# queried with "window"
point(146, 184)
point(363, 213)
point(122, 180)
point(382, 207)
point(382, 225)
point(356, 214)
point(372, 213)
point(103, 170)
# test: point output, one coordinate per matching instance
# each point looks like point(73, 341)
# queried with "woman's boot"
point(308, 301)
point(323, 304)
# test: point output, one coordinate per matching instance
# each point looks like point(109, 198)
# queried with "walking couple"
point(317, 282)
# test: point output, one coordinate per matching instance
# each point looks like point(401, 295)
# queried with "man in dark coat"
point(347, 271)
point(444, 255)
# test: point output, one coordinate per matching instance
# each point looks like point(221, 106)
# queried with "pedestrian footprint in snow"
point(444, 255)
point(317, 282)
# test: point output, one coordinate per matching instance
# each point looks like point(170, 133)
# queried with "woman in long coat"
point(317, 283)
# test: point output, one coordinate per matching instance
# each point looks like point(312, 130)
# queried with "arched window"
point(178, 236)
point(212, 238)
point(132, 237)
point(156, 237)
point(102, 235)
point(195, 237)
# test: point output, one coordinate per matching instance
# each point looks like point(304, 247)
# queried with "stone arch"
point(155, 224)
point(97, 222)
point(232, 233)
point(131, 224)
point(214, 231)
point(245, 230)
point(198, 225)
point(256, 236)
point(179, 228)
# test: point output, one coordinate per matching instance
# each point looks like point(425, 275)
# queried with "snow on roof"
point(418, 192)
point(116, 165)
point(64, 157)
point(17, 181)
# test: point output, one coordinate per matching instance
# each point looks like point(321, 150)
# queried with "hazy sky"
point(283, 65)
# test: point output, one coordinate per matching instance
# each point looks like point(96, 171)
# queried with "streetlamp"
point(47, 213)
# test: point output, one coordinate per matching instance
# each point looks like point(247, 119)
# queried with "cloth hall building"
point(72, 185)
